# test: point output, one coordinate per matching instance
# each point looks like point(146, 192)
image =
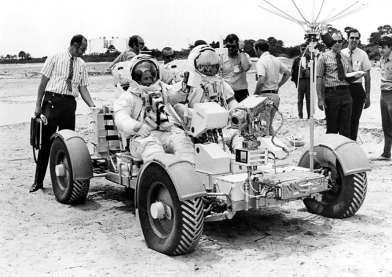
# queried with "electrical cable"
point(287, 152)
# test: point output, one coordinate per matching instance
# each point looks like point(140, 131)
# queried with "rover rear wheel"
point(65, 188)
point(345, 195)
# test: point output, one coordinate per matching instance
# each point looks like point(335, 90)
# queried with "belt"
point(336, 88)
point(268, 91)
point(59, 95)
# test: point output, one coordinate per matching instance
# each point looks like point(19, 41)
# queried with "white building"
point(102, 44)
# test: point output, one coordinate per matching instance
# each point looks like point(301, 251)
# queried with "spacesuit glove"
point(144, 130)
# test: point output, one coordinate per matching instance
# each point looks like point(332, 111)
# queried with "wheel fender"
point(334, 147)
point(181, 172)
point(78, 152)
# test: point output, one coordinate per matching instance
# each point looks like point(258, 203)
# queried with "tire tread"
point(192, 225)
point(360, 188)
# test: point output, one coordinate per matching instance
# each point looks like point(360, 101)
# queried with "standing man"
point(300, 75)
point(333, 90)
point(235, 67)
point(64, 76)
point(385, 48)
point(167, 55)
point(358, 61)
point(268, 70)
point(169, 72)
point(136, 44)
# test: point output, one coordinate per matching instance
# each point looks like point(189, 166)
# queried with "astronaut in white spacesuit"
point(140, 113)
point(203, 84)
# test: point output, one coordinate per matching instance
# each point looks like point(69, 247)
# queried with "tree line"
point(277, 48)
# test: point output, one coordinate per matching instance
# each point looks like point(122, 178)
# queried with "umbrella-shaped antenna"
point(312, 23)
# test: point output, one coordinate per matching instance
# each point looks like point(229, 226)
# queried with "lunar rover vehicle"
point(173, 198)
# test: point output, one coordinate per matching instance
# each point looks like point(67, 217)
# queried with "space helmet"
point(204, 60)
point(144, 70)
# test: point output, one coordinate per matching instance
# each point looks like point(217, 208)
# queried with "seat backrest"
point(107, 135)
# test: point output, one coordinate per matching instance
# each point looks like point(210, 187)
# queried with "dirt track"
point(41, 237)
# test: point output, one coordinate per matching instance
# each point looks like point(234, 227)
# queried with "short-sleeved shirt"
point(358, 60)
point(270, 67)
point(234, 73)
point(56, 68)
point(124, 56)
point(327, 68)
point(386, 73)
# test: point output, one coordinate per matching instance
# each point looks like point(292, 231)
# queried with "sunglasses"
point(231, 46)
point(352, 38)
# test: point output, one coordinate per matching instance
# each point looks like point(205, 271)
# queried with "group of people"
point(344, 84)
point(342, 94)
point(64, 77)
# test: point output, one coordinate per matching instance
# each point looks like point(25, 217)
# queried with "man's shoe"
point(36, 186)
point(383, 158)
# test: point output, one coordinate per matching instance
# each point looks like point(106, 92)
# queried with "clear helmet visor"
point(207, 63)
point(145, 73)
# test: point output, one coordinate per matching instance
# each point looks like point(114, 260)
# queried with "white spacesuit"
point(140, 114)
point(205, 85)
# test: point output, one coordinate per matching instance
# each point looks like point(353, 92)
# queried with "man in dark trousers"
point(332, 88)
point(358, 61)
point(385, 47)
point(300, 75)
point(64, 77)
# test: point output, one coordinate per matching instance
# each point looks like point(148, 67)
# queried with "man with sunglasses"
point(64, 77)
point(332, 88)
point(358, 61)
point(135, 44)
point(234, 68)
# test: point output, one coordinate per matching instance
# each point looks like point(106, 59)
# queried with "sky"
point(44, 27)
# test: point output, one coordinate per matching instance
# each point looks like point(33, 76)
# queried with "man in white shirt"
point(234, 68)
point(268, 70)
point(135, 43)
point(358, 61)
point(64, 77)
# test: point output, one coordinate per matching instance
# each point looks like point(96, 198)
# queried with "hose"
point(285, 150)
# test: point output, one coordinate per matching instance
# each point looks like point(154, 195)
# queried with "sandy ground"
point(41, 237)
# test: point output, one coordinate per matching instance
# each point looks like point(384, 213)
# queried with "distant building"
point(103, 44)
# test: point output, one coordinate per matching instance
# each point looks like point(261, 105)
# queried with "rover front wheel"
point(169, 226)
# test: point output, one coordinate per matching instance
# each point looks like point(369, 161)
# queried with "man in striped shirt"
point(64, 77)
point(385, 48)
point(333, 90)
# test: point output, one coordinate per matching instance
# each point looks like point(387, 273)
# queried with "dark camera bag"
point(36, 134)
